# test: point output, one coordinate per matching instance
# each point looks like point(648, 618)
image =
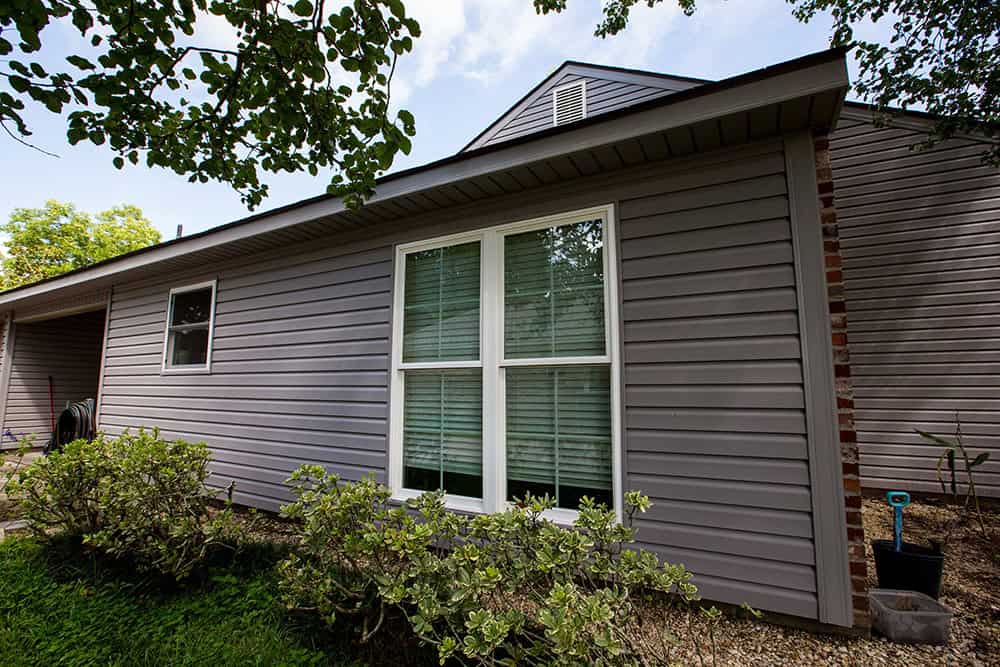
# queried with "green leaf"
point(20, 84)
point(979, 460)
point(935, 438)
point(303, 8)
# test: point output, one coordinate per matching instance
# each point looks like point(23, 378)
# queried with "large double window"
point(504, 378)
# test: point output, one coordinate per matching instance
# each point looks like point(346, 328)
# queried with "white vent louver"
point(569, 103)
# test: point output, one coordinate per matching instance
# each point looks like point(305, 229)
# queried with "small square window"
point(189, 328)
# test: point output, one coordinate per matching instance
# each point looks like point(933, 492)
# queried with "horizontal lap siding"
point(713, 397)
point(714, 402)
point(920, 242)
point(68, 350)
point(299, 369)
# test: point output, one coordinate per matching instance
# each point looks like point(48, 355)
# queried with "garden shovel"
point(898, 500)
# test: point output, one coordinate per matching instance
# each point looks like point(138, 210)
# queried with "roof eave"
point(806, 76)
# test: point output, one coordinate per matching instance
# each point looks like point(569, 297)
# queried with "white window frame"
point(165, 367)
point(491, 340)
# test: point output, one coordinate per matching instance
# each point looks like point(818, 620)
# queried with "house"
point(628, 281)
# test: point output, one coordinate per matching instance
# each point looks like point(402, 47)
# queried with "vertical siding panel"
point(918, 234)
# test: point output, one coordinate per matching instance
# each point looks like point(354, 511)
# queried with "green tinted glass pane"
point(559, 433)
point(443, 431)
point(441, 304)
point(554, 292)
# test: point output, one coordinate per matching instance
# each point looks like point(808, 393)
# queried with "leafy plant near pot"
point(508, 588)
point(968, 503)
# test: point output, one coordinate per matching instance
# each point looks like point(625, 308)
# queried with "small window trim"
point(491, 291)
point(200, 369)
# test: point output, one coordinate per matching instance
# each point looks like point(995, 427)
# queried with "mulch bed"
point(971, 587)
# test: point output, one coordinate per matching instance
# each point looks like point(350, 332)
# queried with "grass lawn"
point(57, 608)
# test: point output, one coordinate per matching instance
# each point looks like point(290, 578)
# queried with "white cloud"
point(489, 40)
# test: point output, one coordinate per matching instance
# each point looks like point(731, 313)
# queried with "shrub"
point(136, 496)
point(508, 588)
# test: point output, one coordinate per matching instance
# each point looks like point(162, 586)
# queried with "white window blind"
point(442, 432)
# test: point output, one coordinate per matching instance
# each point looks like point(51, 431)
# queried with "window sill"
point(454, 503)
point(197, 370)
point(559, 516)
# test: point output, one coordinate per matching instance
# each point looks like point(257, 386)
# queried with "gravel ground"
point(971, 587)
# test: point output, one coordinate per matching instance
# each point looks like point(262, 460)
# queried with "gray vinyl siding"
point(299, 369)
point(713, 396)
point(68, 349)
point(920, 240)
point(603, 96)
point(714, 401)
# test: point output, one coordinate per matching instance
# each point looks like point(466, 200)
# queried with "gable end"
point(605, 89)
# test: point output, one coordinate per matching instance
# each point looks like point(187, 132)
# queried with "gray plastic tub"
point(911, 617)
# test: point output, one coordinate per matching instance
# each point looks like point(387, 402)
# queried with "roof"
point(823, 73)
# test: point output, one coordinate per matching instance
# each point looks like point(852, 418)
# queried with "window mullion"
point(491, 336)
point(555, 427)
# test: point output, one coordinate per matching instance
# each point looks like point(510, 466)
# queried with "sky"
point(474, 60)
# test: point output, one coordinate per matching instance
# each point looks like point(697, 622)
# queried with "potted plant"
point(905, 566)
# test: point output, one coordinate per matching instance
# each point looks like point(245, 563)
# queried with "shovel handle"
point(898, 500)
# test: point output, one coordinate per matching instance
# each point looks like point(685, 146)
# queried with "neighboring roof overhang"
point(911, 119)
point(802, 93)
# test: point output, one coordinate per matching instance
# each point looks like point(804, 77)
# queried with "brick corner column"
point(845, 389)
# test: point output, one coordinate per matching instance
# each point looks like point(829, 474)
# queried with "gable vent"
point(569, 103)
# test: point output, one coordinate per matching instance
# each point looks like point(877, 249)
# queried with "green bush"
point(135, 497)
point(505, 588)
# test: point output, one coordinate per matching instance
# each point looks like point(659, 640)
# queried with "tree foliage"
point(299, 87)
point(44, 242)
point(943, 56)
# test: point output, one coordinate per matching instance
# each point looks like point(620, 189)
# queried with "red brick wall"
point(845, 391)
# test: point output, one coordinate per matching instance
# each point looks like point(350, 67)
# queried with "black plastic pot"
point(915, 568)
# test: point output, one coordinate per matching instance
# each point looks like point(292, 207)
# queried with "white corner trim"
point(104, 361)
point(10, 332)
